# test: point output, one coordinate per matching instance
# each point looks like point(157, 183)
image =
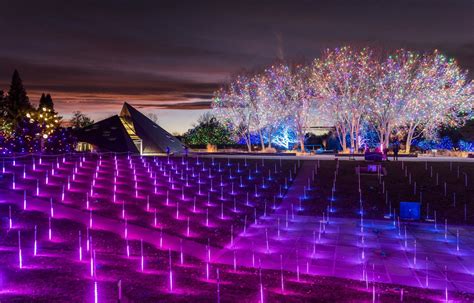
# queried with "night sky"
point(169, 56)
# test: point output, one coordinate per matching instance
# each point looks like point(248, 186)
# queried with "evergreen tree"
point(17, 101)
point(46, 101)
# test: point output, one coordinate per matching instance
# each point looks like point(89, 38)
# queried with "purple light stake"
point(222, 210)
point(88, 239)
point(119, 285)
point(20, 258)
point(35, 247)
point(148, 203)
point(235, 260)
point(24, 171)
point(282, 281)
point(446, 284)
point(125, 232)
point(446, 229)
point(266, 240)
point(13, 182)
point(414, 254)
point(49, 229)
point(177, 210)
point(167, 197)
point(194, 204)
point(127, 248)
point(457, 240)
point(297, 267)
point(405, 237)
point(245, 224)
point(426, 264)
point(80, 246)
point(62, 194)
point(161, 237)
point(187, 228)
point(435, 224)
point(68, 183)
point(46, 178)
point(10, 221)
point(87, 200)
point(142, 259)
point(207, 217)
point(51, 209)
point(155, 220)
point(92, 263)
point(37, 187)
point(90, 219)
point(232, 235)
point(171, 272)
point(181, 255)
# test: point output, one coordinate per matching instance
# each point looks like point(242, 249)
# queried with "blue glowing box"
point(410, 210)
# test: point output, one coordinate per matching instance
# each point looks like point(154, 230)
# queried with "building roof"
point(127, 131)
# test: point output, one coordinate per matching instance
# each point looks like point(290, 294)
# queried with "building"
point(129, 131)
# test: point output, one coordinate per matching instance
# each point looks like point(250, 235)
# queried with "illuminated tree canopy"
point(403, 94)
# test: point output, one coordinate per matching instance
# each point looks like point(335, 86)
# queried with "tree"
point(441, 97)
point(343, 78)
point(46, 101)
point(17, 101)
point(232, 108)
point(208, 130)
point(80, 120)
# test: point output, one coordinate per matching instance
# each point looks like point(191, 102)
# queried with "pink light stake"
point(35, 246)
point(10, 221)
point(181, 255)
point(87, 240)
point(49, 229)
point(51, 205)
point(37, 187)
point(142, 259)
point(187, 229)
point(24, 199)
point(155, 220)
point(80, 246)
point(20, 258)
point(90, 219)
point(127, 248)
point(171, 272)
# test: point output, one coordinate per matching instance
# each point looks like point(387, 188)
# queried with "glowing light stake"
point(51, 209)
point(218, 286)
point(87, 240)
point(37, 187)
point(177, 210)
point(24, 171)
point(87, 201)
point(128, 248)
point(266, 240)
point(10, 221)
point(20, 258)
point(171, 272)
point(90, 219)
point(161, 237)
point(187, 228)
point(261, 285)
point(457, 240)
point(414, 254)
point(181, 255)
point(13, 182)
point(46, 178)
point(282, 281)
point(155, 220)
point(142, 258)
point(446, 229)
point(80, 246)
point(92, 263)
point(35, 246)
point(125, 233)
point(96, 293)
point(147, 203)
point(62, 194)
point(49, 229)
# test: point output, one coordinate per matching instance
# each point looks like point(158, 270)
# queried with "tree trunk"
point(261, 139)
point(411, 131)
point(302, 145)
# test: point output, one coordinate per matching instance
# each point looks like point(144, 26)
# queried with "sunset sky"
point(169, 56)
